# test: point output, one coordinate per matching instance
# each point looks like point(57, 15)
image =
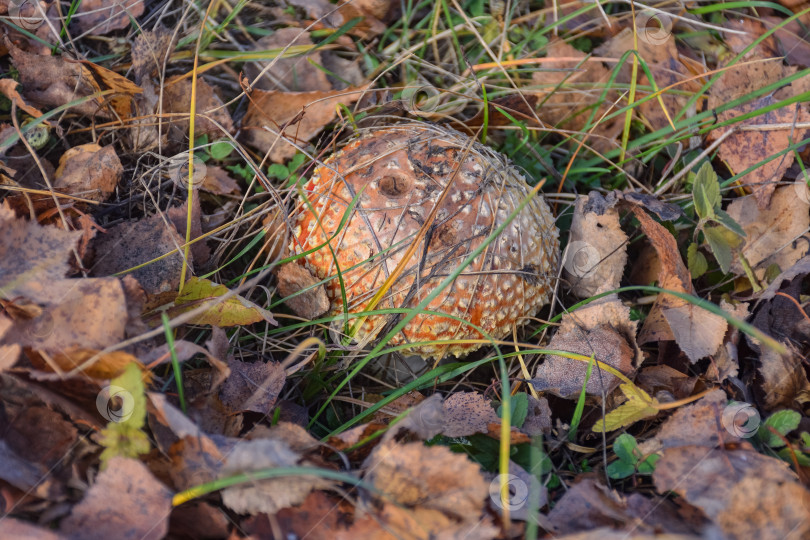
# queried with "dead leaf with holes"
point(697, 332)
point(602, 329)
point(277, 122)
point(100, 17)
point(89, 171)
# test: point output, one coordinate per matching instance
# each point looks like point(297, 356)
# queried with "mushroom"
point(369, 202)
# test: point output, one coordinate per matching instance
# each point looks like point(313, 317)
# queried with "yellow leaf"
point(231, 312)
point(123, 403)
point(639, 405)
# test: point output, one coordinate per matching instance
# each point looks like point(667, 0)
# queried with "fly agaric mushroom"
point(392, 179)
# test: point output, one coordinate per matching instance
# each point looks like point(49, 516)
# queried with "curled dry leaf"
point(782, 376)
point(776, 234)
point(311, 301)
point(53, 81)
point(430, 477)
point(125, 501)
point(269, 495)
point(697, 332)
point(603, 329)
point(8, 87)
point(131, 244)
point(597, 247)
point(89, 171)
point(277, 122)
point(100, 17)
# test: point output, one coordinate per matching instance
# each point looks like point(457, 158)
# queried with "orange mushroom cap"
point(395, 178)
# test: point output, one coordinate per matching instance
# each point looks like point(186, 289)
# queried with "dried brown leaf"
point(8, 87)
point(150, 50)
point(431, 477)
point(710, 479)
point(296, 74)
point(602, 328)
point(783, 379)
point(588, 505)
point(32, 256)
point(125, 501)
point(212, 117)
point(744, 149)
point(218, 181)
point(131, 244)
point(252, 387)
point(100, 17)
point(310, 304)
point(467, 413)
point(698, 332)
point(84, 314)
point(569, 88)
point(270, 495)
point(89, 171)
point(776, 234)
point(178, 215)
point(298, 115)
point(53, 81)
point(597, 248)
